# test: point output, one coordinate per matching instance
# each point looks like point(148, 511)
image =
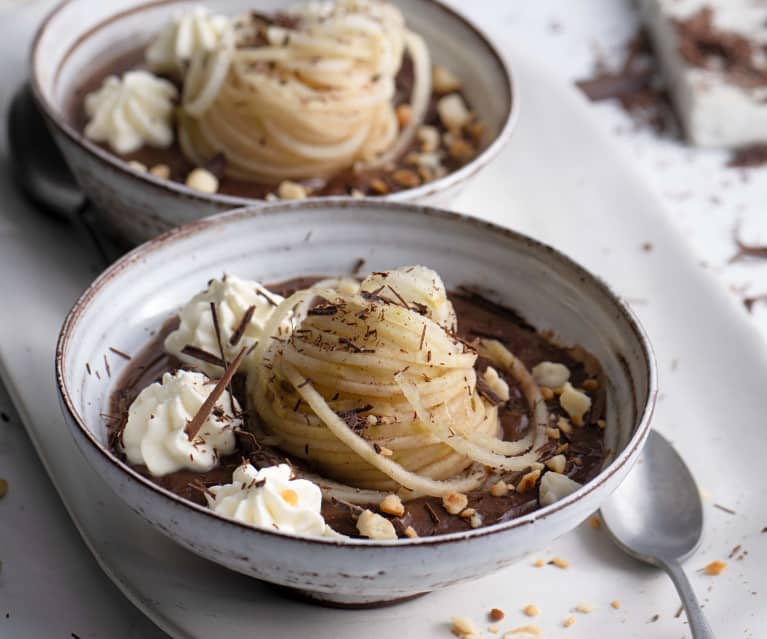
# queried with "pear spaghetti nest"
point(374, 388)
point(305, 98)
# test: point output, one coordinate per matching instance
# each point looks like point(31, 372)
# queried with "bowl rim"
point(629, 454)
point(57, 119)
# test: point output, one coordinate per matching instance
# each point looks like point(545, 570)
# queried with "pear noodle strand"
point(381, 398)
point(309, 99)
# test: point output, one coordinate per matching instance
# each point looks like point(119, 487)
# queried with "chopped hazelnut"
point(493, 630)
point(379, 186)
point(615, 604)
point(528, 481)
point(288, 190)
point(601, 423)
point(552, 433)
point(525, 631)
point(371, 420)
point(453, 112)
point(564, 425)
point(547, 393)
point(539, 563)
point(374, 526)
point(404, 113)
point(531, 610)
point(551, 374)
point(443, 80)
point(460, 150)
point(557, 463)
point(202, 180)
point(499, 489)
point(161, 171)
point(475, 130)
point(356, 193)
point(496, 614)
point(428, 136)
point(411, 532)
point(475, 521)
point(576, 403)
point(137, 166)
point(386, 452)
point(584, 608)
point(590, 385)
point(463, 626)
point(568, 622)
point(715, 568)
point(454, 503)
point(404, 177)
point(392, 505)
point(595, 522)
point(467, 513)
point(560, 563)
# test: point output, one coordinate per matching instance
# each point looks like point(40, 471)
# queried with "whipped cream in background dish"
point(720, 92)
point(271, 498)
point(132, 111)
point(194, 32)
point(155, 436)
point(233, 298)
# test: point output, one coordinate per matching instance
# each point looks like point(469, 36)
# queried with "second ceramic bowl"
point(140, 291)
point(135, 205)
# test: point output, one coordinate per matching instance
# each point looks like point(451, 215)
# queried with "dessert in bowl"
point(171, 111)
point(361, 431)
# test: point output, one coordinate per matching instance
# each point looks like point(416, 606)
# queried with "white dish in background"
point(583, 198)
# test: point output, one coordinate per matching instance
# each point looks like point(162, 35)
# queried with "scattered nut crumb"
point(468, 513)
point(557, 463)
point(202, 180)
point(386, 452)
point(553, 433)
point(595, 522)
point(564, 425)
point(615, 604)
point(289, 190)
point(462, 626)
point(531, 610)
point(568, 622)
point(529, 631)
point(499, 489)
point(475, 521)
point(356, 193)
point(392, 505)
point(575, 403)
point(551, 374)
point(137, 166)
point(496, 614)
point(443, 80)
point(585, 608)
point(3, 488)
point(715, 568)
point(494, 630)
point(453, 112)
point(539, 563)
point(411, 532)
point(379, 186)
point(601, 423)
point(590, 385)
point(454, 503)
point(547, 393)
point(428, 136)
point(374, 526)
point(406, 178)
point(161, 171)
point(560, 563)
point(460, 149)
point(528, 481)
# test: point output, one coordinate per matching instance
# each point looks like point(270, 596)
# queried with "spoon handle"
point(698, 624)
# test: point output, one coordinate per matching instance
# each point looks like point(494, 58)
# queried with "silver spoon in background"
point(656, 516)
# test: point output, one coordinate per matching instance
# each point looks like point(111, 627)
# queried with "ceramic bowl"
point(136, 206)
point(328, 236)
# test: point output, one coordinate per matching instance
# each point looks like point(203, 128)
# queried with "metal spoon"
point(656, 516)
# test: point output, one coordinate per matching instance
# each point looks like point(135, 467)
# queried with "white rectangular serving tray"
point(561, 181)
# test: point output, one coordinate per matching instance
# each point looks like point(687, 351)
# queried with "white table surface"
point(49, 584)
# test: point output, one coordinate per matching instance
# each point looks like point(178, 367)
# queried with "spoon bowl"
point(656, 516)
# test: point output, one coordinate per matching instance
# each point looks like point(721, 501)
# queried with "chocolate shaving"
point(88, 367)
point(325, 309)
point(748, 156)
point(242, 326)
point(747, 250)
point(734, 551)
point(377, 448)
point(679, 612)
point(106, 365)
point(358, 266)
point(119, 353)
point(432, 513)
point(353, 508)
point(217, 327)
point(202, 355)
point(193, 427)
point(423, 337)
point(749, 302)
point(352, 417)
point(729, 511)
point(357, 349)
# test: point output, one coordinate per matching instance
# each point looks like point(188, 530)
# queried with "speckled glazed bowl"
point(140, 291)
point(136, 206)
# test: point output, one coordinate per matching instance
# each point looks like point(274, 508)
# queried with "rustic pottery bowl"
point(135, 205)
point(139, 292)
